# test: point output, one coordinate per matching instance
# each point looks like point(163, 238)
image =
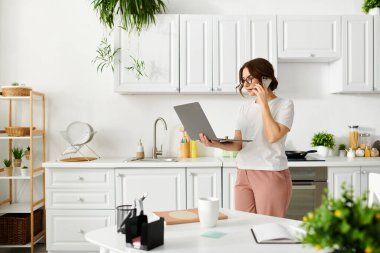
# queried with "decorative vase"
point(374, 11)
point(24, 172)
point(8, 171)
point(342, 153)
point(27, 154)
point(17, 162)
point(323, 151)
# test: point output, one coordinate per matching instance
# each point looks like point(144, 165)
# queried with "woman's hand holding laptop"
point(205, 141)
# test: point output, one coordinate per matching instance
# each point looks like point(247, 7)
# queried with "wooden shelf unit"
point(7, 205)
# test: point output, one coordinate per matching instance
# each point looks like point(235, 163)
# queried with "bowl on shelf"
point(15, 91)
point(17, 131)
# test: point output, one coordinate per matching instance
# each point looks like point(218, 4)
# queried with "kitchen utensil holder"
point(151, 234)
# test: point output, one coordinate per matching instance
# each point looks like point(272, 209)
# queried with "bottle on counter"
point(374, 152)
point(353, 137)
point(367, 151)
point(140, 151)
point(365, 140)
point(193, 149)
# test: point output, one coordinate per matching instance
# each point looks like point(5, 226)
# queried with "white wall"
point(49, 45)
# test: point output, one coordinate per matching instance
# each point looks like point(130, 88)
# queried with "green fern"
point(7, 163)
point(138, 66)
point(18, 153)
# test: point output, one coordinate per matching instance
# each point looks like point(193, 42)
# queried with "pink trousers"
point(263, 192)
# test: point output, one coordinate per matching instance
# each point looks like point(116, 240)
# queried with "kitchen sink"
point(160, 159)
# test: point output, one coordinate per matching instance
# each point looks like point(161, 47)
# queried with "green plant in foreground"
point(106, 55)
point(138, 66)
point(344, 225)
point(369, 4)
point(7, 163)
point(323, 139)
point(18, 153)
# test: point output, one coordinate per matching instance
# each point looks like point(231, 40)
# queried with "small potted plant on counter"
point(343, 225)
point(24, 171)
point(342, 150)
point(8, 167)
point(371, 7)
point(324, 142)
point(18, 153)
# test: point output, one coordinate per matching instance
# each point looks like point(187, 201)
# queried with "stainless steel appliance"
point(308, 189)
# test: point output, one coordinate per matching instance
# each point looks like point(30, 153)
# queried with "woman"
point(263, 183)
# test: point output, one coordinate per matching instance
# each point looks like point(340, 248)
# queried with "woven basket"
point(15, 227)
point(15, 91)
point(18, 131)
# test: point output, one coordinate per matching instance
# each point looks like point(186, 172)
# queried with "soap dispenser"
point(140, 150)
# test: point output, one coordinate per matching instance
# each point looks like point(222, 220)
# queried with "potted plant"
point(343, 225)
point(324, 142)
point(8, 167)
point(342, 150)
point(24, 171)
point(130, 15)
point(18, 153)
point(27, 153)
point(371, 7)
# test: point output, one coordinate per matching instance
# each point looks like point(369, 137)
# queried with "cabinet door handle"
point(312, 55)
point(81, 231)
point(80, 199)
point(211, 89)
point(80, 178)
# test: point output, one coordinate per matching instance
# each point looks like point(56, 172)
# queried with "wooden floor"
point(40, 248)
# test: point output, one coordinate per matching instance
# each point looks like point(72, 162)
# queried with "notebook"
point(276, 233)
point(195, 122)
point(183, 216)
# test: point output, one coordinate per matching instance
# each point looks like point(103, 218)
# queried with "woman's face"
point(249, 82)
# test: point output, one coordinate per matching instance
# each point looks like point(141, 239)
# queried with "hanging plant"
point(130, 15)
point(106, 55)
point(137, 66)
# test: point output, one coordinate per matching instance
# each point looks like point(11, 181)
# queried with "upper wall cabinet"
point(309, 38)
point(196, 53)
point(354, 72)
point(261, 39)
point(158, 48)
point(377, 53)
point(213, 48)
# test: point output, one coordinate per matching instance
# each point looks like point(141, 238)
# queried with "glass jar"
point(353, 137)
point(364, 140)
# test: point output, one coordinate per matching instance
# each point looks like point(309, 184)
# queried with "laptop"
point(195, 122)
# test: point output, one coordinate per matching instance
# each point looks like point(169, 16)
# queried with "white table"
point(186, 238)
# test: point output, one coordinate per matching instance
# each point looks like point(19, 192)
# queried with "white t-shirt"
point(260, 154)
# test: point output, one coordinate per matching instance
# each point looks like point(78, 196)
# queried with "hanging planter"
point(130, 15)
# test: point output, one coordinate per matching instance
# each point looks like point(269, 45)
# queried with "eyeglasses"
point(248, 80)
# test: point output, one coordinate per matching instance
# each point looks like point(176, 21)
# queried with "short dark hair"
point(258, 68)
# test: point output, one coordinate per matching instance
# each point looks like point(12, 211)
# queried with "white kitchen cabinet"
point(357, 177)
point(309, 38)
point(166, 187)
point(348, 175)
point(195, 53)
point(229, 179)
point(354, 72)
point(158, 47)
point(203, 182)
point(66, 228)
point(228, 51)
point(78, 200)
point(376, 53)
point(261, 39)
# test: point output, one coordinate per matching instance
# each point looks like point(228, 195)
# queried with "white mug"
point(208, 211)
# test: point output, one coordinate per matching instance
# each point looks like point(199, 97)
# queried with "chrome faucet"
point(155, 151)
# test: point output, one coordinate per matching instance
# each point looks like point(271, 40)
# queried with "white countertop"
point(185, 238)
point(206, 162)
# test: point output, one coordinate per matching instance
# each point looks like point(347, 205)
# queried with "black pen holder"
point(151, 234)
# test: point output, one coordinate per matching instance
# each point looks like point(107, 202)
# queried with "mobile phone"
point(266, 81)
